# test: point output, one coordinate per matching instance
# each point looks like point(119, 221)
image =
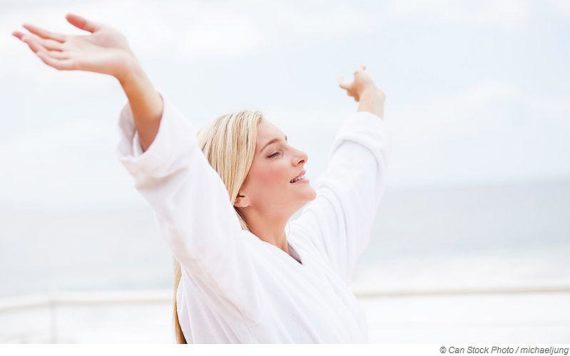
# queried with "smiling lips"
point(301, 176)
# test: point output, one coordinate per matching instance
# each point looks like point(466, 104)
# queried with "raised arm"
point(145, 102)
point(158, 147)
point(104, 51)
point(340, 220)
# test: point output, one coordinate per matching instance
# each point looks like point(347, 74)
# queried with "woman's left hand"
point(361, 83)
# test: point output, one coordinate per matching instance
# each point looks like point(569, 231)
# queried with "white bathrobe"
point(237, 288)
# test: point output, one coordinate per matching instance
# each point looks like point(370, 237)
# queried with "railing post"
point(52, 317)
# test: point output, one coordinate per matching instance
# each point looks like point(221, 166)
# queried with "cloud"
point(503, 13)
point(193, 29)
point(490, 131)
point(469, 111)
point(560, 7)
point(241, 28)
point(63, 165)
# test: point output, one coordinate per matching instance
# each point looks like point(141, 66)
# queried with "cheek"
point(272, 175)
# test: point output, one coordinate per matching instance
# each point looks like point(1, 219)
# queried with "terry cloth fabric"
point(237, 288)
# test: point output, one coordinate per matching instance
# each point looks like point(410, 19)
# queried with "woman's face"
point(268, 185)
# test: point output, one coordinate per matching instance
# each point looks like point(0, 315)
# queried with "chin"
point(313, 196)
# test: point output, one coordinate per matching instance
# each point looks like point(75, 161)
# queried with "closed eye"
point(273, 155)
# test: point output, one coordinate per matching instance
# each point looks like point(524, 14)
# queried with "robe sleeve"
point(340, 219)
point(192, 207)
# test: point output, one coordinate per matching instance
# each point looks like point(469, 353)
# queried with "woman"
point(223, 198)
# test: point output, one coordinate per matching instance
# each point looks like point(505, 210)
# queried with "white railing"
point(510, 314)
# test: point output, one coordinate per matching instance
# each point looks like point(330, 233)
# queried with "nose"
point(301, 157)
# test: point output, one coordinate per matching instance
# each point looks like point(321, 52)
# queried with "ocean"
point(425, 239)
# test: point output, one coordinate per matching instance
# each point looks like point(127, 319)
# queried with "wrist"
point(130, 71)
point(372, 100)
point(372, 91)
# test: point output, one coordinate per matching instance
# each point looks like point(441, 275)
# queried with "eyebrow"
point(273, 140)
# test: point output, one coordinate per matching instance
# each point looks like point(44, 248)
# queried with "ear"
point(241, 201)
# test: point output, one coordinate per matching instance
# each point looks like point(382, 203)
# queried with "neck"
point(269, 229)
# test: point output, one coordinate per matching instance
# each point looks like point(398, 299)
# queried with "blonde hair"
point(228, 143)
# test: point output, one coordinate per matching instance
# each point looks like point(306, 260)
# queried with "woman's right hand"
point(105, 50)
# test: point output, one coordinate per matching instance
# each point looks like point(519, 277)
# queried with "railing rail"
point(134, 316)
point(165, 296)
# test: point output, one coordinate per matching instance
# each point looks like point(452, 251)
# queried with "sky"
point(476, 92)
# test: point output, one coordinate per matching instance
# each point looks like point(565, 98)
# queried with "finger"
point(351, 93)
point(343, 84)
point(58, 55)
point(60, 64)
point(33, 44)
point(48, 44)
point(17, 34)
point(44, 33)
point(52, 45)
point(82, 23)
point(360, 68)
